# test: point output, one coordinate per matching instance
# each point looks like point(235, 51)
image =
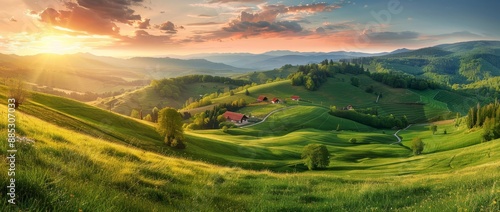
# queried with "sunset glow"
point(153, 28)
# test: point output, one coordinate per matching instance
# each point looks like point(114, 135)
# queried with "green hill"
point(69, 160)
point(458, 63)
point(418, 106)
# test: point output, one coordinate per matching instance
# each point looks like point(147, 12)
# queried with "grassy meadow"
point(77, 157)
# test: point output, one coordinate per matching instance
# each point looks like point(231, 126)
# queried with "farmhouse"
point(235, 117)
point(295, 98)
point(275, 100)
point(262, 98)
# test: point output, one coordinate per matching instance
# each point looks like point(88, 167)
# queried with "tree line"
point(376, 121)
point(486, 117)
point(172, 87)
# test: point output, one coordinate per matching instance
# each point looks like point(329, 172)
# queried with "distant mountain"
point(275, 59)
point(86, 72)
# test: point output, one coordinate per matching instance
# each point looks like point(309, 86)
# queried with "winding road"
point(396, 135)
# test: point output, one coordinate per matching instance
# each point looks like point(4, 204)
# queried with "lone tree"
point(170, 126)
point(417, 145)
point(17, 91)
point(154, 114)
point(433, 128)
point(316, 156)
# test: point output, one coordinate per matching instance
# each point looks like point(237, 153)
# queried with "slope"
point(416, 105)
point(62, 168)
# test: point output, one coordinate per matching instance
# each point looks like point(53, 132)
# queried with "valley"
point(106, 155)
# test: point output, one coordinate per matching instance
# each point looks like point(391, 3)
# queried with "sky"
point(126, 28)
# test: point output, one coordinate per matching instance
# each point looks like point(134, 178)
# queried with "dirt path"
point(396, 135)
point(271, 113)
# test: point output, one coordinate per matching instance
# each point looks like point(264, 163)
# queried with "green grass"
point(418, 106)
point(75, 165)
point(147, 98)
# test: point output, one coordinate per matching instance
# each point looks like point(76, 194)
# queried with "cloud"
point(168, 27)
point(270, 21)
point(144, 24)
point(255, 28)
point(12, 19)
point(203, 24)
point(92, 16)
point(235, 1)
point(392, 36)
point(115, 10)
point(79, 19)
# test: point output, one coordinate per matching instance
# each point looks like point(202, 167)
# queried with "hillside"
point(70, 160)
point(418, 106)
point(84, 72)
point(449, 64)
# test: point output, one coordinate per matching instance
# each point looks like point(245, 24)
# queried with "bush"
point(316, 156)
point(417, 145)
point(353, 141)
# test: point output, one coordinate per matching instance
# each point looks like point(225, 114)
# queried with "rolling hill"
point(85, 72)
point(458, 63)
point(70, 160)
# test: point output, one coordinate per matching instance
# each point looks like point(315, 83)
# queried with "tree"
point(148, 117)
point(433, 128)
point(353, 141)
point(310, 85)
point(247, 92)
point(154, 114)
point(170, 125)
point(316, 156)
point(135, 114)
point(17, 91)
point(417, 145)
point(355, 81)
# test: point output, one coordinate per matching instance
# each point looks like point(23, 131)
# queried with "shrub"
point(417, 145)
point(353, 141)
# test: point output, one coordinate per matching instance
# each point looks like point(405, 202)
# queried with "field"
point(78, 157)
point(418, 106)
point(147, 98)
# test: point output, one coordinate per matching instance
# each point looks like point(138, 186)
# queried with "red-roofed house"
point(295, 98)
point(262, 98)
point(275, 100)
point(235, 117)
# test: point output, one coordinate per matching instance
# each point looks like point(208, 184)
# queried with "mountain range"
point(275, 59)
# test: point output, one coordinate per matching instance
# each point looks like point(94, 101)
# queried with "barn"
point(262, 98)
point(295, 98)
point(275, 100)
point(235, 117)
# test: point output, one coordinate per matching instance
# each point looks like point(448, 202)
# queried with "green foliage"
point(386, 122)
point(135, 114)
point(247, 92)
point(355, 81)
point(210, 119)
point(486, 117)
point(148, 118)
point(316, 156)
point(17, 89)
point(417, 145)
point(154, 114)
point(433, 128)
point(353, 140)
point(173, 87)
point(170, 125)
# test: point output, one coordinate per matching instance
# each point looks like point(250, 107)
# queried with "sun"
point(57, 44)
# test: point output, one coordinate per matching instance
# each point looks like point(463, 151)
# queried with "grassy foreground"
point(89, 166)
